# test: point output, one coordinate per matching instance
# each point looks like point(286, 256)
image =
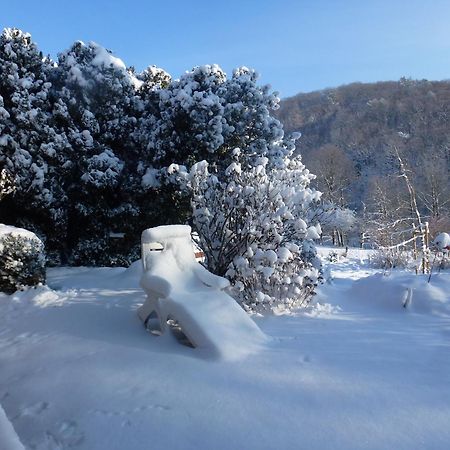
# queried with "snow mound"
point(14, 231)
point(131, 275)
point(399, 291)
point(442, 241)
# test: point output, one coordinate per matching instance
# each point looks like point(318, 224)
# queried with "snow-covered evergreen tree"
point(204, 116)
point(22, 259)
point(31, 146)
point(99, 102)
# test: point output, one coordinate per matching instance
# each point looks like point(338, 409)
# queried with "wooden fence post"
point(414, 235)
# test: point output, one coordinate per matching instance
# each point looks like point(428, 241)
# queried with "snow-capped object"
point(180, 288)
point(312, 233)
point(105, 58)
point(271, 256)
point(22, 259)
point(442, 241)
point(164, 233)
point(284, 254)
point(14, 231)
point(151, 178)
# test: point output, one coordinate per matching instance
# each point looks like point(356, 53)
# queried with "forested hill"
point(365, 122)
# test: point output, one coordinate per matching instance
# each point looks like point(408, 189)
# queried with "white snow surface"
point(14, 231)
point(8, 437)
point(355, 371)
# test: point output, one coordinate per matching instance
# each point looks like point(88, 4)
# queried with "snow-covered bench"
point(181, 289)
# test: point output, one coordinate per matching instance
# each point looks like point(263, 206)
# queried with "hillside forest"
point(352, 137)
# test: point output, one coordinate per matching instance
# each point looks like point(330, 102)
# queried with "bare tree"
point(421, 225)
point(335, 172)
point(434, 193)
point(387, 216)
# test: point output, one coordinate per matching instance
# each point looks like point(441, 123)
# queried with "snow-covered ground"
point(357, 371)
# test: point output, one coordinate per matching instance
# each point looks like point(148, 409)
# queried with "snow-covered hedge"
point(95, 148)
point(22, 259)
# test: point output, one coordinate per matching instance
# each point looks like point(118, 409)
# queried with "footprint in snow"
point(136, 410)
point(68, 432)
point(33, 410)
point(64, 437)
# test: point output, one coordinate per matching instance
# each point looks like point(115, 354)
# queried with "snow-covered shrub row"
point(22, 259)
point(99, 152)
point(66, 136)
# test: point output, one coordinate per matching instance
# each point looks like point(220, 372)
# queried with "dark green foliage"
point(96, 149)
point(22, 262)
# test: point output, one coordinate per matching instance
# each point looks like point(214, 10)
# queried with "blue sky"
point(296, 46)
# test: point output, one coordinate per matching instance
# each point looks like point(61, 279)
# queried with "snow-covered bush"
point(336, 221)
point(332, 256)
point(441, 249)
point(22, 259)
point(251, 229)
point(103, 250)
point(392, 259)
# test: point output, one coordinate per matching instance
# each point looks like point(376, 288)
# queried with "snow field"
point(78, 370)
